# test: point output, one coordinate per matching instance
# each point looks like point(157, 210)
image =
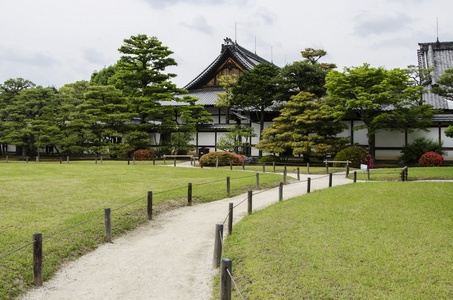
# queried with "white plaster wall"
point(206, 138)
point(390, 139)
point(360, 135)
point(388, 154)
point(448, 141)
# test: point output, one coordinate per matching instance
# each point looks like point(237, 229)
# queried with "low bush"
point(412, 152)
point(269, 159)
point(144, 154)
point(209, 159)
point(356, 155)
point(431, 159)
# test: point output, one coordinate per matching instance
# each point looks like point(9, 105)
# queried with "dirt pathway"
point(167, 258)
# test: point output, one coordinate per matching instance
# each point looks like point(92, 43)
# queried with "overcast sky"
point(54, 42)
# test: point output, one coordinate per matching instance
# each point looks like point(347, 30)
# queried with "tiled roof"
point(206, 97)
point(246, 58)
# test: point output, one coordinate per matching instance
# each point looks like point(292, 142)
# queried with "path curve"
point(169, 257)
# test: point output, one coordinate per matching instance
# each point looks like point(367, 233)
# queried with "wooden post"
point(128, 161)
point(368, 174)
point(61, 160)
point(189, 194)
point(308, 168)
point(243, 164)
point(95, 160)
point(67, 159)
point(101, 159)
point(6, 158)
point(26, 159)
point(154, 162)
point(355, 176)
point(330, 179)
point(308, 185)
point(231, 165)
point(257, 181)
point(347, 170)
point(37, 159)
point(298, 174)
point(165, 161)
point(249, 202)
point(218, 238)
point(228, 186)
point(327, 167)
point(225, 279)
point(133, 160)
point(230, 219)
point(174, 162)
point(37, 259)
point(264, 167)
point(280, 191)
point(108, 224)
point(284, 175)
point(273, 166)
point(217, 163)
point(150, 205)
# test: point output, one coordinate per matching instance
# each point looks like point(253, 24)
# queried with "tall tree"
point(227, 82)
point(445, 89)
point(103, 76)
point(255, 90)
point(380, 98)
point(306, 126)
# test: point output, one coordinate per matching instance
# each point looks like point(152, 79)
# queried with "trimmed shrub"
point(357, 155)
point(431, 159)
point(413, 151)
point(209, 159)
point(269, 159)
point(144, 154)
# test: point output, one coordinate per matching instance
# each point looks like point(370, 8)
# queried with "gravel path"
point(170, 257)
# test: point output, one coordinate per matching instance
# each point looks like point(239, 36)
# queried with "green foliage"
point(307, 126)
point(431, 159)
point(103, 76)
point(269, 159)
point(227, 82)
point(209, 159)
point(357, 155)
point(236, 139)
point(144, 154)
point(412, 152)
point(445, 82)
point(382, 99)
point(449, 131)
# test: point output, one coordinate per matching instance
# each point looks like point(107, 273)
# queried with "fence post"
point(280, 191)
point(101, 159)
point(189, 194)
point(7, 158)
point(308, 168)
point(231, 165)
point(257, 181)
point(37, 159)
point(108, 224)
point(133, 160)
point(165, 161)
point(330, 179)
point(327, 167)
point(67, 159)
point(243, 164)
point(37, 259)
point(347, 170)
point(406, 173)
point(249, 201)
point(128, 161)
point(61, 160)
point(368, 174)
point(264, 167)
point(230, 219)
point(216, 162)
point(298, 174)
point(218, 245)
point(225, 279)
point(355, 176)
point(95, 160)
point(150, 205)
point(284, 175)
point(308, 185)
point(26, 159)
point(174, 162)
point(273, 166)
point(228, 186)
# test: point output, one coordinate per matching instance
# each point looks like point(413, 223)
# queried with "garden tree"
point(236, 139)
point(30, 121)
point(419, 77)
point(103, 76)
point(255, 90)
point(445, 89)
point(303, 76)
point(102, 118)
point(380, 98)
point(191, 115)
point(140, 74)
point(227, 82)
point(307, 125)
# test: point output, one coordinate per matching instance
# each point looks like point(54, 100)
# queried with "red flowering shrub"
point(356, 155)
point(431, 159)
point(144, 154)
point(209, 159)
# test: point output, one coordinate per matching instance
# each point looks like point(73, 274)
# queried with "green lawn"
point(414, 173)
point(49, 197)
point(380, 240)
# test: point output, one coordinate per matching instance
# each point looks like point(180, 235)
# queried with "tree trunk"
point(372, 145)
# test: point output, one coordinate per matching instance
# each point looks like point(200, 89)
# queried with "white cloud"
point(200, 24)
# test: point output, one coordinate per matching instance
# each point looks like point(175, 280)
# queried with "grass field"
point(377, 240)
point(49, 197)
point(414, 173)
